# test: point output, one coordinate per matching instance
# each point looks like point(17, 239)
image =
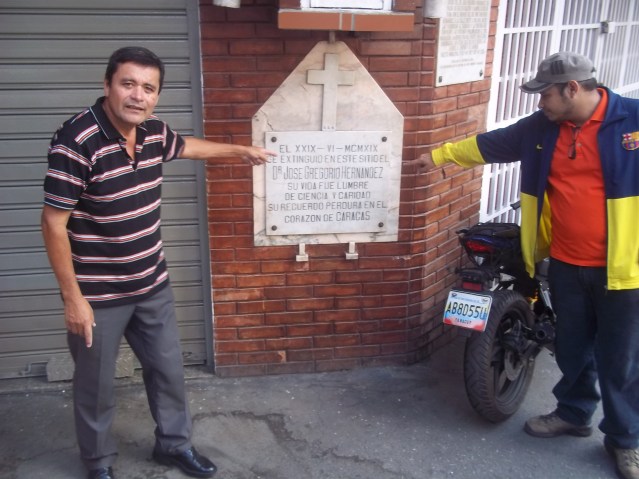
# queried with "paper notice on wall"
point(463, 42)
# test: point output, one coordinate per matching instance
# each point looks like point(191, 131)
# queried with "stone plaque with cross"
point(338, 137)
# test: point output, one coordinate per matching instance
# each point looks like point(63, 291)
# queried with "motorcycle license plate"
point(467, 310)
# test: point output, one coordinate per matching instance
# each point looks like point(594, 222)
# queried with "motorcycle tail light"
point(472, 285)
point(479, 247)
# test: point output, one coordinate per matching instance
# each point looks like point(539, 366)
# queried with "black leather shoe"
point(190, 462)
point(101, 473)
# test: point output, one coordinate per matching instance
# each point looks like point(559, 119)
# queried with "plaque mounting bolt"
point(301, 253)
point(273, 228)
point(273, 139)
point(352, 252)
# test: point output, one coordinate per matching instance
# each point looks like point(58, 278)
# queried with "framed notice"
point(463, 42)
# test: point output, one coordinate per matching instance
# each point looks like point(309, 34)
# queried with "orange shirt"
point(576, 193)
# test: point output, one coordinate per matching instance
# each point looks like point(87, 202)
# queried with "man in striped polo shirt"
point(101, 227)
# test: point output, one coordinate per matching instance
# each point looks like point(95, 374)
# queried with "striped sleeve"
point(172, 142)
point(67, 174)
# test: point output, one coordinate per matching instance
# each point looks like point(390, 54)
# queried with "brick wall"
point(275, 315)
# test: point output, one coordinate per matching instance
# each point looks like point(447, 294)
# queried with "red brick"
point(221, 281)
point(262, 358)
point(310, 329)
point(465, 101)
point(392, 63)
point(404, 5)
point(238, 295)
point(251, 14)
point(238, 321)
point(227, 64)
point(288, 292)
point(384, 288)
point(261, 280)
point(224, 309)
point(310, 354)
point(248, 80)
point(358, 276)
point(289, 344)
point(225, 359)
point(337, 315)
point(221, 334)
point(226, 30)
point(256, 307)
point(336, 340)
point(357, 351)
point(239, 346)
point(409, 94)
point(384, 337)
point(336, 290)
point(384, 313)
point(388, 79)
point(379, 48)
point(314, 278)
point(356, 327)
point(310, 304)
point(252, 47)
point(289, 3)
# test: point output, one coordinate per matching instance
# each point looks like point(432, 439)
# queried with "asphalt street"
point(411, 422)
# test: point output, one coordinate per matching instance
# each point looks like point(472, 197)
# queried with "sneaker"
point(627, 460)
point(551, 425)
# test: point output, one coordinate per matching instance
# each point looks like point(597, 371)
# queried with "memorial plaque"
point(327, 182)
point(338, 141)
point(463, 42)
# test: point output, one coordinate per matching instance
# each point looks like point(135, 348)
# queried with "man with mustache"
point(101, 227)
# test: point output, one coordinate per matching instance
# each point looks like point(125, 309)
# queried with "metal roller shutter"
point(52, 59)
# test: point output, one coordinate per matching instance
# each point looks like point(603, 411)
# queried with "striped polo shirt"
point(114, 228)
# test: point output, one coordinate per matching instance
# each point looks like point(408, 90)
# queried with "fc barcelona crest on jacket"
point(630, 141)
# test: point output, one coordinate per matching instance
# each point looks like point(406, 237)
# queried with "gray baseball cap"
point(561, 67)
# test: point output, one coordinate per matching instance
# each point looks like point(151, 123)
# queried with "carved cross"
point(331, 77)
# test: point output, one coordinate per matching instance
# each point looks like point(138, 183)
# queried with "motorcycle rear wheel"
point(495, 376)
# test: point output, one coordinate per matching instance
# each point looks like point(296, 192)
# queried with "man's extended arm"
point(199, 149)
point(78, 314)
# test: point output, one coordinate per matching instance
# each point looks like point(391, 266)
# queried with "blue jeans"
point(597, 338)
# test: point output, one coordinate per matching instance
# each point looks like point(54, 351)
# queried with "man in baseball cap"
point(561, 67)
point(579, 197)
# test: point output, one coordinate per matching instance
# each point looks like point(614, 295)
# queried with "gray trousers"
point(150, 328)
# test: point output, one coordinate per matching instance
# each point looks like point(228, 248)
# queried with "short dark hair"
point(139, 55)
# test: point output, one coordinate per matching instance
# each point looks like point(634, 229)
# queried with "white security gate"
point(607, 31)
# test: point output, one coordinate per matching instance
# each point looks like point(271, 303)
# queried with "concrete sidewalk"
point(409, 422)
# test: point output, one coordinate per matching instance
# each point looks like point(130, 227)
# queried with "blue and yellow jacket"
point(532, 140)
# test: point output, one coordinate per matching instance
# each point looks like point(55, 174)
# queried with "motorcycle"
point(509, 316)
